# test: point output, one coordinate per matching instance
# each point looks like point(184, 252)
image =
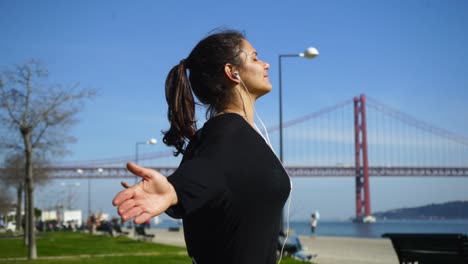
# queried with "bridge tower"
point(363, 210)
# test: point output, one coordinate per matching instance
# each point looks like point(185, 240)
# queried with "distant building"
point(64, 216)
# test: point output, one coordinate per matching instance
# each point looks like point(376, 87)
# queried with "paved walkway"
point(335, 250)
point(330, 250)
point(98, 256)
point(164, 236)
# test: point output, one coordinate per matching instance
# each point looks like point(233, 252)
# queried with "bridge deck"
point(121, 172)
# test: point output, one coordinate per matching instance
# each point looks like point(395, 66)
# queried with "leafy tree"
point(37, 116)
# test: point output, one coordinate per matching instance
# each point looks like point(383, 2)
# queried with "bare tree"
point(38, 115)
point(6, 203)
point(13, 176)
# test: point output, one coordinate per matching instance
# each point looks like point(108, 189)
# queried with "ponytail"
point(181, 109)
point(206, 81)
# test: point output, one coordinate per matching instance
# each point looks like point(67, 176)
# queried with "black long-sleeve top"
point(231, 189)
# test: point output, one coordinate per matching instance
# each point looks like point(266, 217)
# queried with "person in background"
point(313, 223)
point(230, 187)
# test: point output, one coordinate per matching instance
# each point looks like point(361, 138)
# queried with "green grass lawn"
point(69, 247)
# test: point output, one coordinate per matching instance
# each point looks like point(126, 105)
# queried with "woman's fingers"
point(123, 196)
point(142, 218)
point(125, 206)
point(133, 212)
point(140, 171)
point(125, 185)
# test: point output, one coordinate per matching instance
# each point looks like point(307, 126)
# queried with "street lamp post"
point(152, 141)
point(80, 172)
point(309, 53)
point(100, 170)
point(69, 193)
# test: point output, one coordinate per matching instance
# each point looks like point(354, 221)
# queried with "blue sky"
point(410, 55)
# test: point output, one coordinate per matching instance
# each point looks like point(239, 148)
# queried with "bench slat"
point(430, 248)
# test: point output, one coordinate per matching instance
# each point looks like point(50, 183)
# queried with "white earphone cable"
point(267, 139)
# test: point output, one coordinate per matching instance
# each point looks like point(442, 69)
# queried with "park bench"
point(141, 234)
point(104, 228)
point(118, 230)
point(293, 248)
point(430, 248)
point(173, 229)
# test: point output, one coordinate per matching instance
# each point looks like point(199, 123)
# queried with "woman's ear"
point(231, 73)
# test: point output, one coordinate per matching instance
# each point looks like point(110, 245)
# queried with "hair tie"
point(183, 63)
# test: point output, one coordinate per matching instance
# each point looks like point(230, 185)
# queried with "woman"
point(230, 187)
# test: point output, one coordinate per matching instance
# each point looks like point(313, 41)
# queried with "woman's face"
point(253, 71)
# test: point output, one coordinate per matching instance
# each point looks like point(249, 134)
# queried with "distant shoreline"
point(383, 220)
point(376, 230)
point(442, 211)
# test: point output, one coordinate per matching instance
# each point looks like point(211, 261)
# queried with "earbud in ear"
point(236, 74)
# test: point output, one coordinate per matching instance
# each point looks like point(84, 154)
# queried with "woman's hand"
point(149, 197)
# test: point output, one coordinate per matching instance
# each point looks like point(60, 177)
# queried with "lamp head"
point(310, 53)
point(152, 141)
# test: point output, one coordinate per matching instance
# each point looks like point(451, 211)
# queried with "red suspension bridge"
point(356, 138)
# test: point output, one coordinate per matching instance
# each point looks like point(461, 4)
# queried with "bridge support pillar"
point(363, 210)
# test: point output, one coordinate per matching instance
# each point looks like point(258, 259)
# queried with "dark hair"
point(206, 80)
